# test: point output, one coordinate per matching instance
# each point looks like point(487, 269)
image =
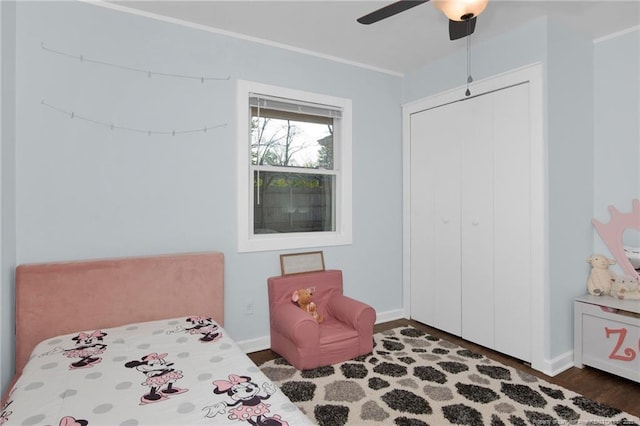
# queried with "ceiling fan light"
point(460, 10)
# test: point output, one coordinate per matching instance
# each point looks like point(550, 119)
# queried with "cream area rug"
point(412, 379)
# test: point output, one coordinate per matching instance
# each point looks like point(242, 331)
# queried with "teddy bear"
point(600, 278)
point(302, 298)
point(625, 287)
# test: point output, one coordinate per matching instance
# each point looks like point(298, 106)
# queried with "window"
point(294, 168)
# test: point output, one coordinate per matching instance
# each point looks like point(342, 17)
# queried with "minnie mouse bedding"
point(180, 371)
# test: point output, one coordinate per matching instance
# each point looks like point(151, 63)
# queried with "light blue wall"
point(570, 177)
point(7, 189)
point(85, 191)
point(520, 47)
point(616, 129)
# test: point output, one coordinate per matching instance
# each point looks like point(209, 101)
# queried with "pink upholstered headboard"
point(64, 297)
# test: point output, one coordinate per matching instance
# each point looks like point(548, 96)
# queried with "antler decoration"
point(611, 233)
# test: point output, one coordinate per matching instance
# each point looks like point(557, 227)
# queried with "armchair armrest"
point(351, 311)
point(295, 324)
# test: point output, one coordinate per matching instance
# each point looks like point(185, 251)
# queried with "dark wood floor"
point(593, 384)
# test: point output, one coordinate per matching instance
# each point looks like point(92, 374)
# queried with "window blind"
point(273, 107)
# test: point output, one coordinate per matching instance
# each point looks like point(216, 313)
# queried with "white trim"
point(557, 365)
point(343, 153)
point(406, 208)
point(213, 30)
point(550, 368)
point(617, 34)
point(255, 345)
point(533, 74)
point(396, 314)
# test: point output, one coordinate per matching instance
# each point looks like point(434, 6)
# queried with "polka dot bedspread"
point(179, 371)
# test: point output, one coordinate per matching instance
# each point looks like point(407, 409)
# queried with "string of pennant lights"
point(149, 73)
point(113, 126)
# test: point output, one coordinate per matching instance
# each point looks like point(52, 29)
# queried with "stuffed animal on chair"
point(625, 287)
point(302, 298)
point(600, 278)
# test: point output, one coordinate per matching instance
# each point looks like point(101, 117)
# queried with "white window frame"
point(247, 240)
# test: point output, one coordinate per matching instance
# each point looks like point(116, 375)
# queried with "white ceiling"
point(397, 44)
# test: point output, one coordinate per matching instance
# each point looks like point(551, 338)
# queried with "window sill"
point(269, 242)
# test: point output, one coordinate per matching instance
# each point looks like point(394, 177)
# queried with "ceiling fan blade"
point(389, 10)
point(460, 29)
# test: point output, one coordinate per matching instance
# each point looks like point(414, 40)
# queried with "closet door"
point(477, 220)
point(496, 224)
point(435, 217)
point(512, 215)
point(471, 220)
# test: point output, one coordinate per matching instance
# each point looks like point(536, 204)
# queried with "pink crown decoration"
point(611, 233)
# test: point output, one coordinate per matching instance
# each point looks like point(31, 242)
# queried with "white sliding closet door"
point(477, 223)
point(512, 211)
point(471, 246)
point(435, 217)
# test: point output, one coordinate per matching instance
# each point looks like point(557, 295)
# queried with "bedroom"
point(74, 190)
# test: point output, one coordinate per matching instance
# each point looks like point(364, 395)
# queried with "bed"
point(133, 341)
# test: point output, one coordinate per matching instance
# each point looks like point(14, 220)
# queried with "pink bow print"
point(234, 380)
point(69, 421)
point(97, 334)
point(154, 356)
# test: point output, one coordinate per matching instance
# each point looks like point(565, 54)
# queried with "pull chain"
point(469, 78)
point(258, 155)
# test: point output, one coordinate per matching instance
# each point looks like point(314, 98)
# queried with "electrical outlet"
point(248, 308)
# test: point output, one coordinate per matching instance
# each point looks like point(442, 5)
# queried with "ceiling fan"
point(462, 14)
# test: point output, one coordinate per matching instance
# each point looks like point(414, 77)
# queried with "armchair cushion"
point(294, 323)
point(347, 330)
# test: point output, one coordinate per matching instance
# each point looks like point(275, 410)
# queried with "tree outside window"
point(294, 185)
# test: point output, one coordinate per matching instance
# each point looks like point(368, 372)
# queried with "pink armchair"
point(345, 333)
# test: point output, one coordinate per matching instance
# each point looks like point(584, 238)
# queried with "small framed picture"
point(298, 263)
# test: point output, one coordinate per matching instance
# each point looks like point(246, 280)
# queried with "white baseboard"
point(264, 342)
point(551, 367)
point(390, 315)
point(557, 365)
point(255, 345)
